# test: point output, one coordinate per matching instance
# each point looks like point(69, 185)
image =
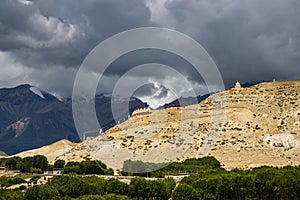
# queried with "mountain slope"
point(261, 126)
point(52, 151)
point(104, 113)
point(187, 101)
point(30, 118)
point(103, 103)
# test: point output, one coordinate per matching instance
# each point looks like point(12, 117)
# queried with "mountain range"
point(241, 127)
point(31, 118)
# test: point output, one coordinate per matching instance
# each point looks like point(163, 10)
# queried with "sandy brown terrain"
point(242, 128)
point(58, 150)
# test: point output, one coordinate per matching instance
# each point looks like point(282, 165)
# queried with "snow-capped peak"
point(37, 91)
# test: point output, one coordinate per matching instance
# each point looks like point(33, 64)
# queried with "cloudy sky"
point(43, 42)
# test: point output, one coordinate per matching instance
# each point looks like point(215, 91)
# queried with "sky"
point(44, 42)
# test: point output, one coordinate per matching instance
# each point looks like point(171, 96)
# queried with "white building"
point(54, 172)
point(237, 85)
point(141, 111)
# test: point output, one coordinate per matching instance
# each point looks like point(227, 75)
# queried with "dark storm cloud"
point(250, 40)
point(135, 58)
point(46, 40)
point(45, 33)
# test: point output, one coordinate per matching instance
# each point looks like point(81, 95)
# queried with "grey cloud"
point(57, 32)
point(162, 92)
point(155, 91)
point(48, 36)
point(129, 61)
point(249, 40)
point(135, 58)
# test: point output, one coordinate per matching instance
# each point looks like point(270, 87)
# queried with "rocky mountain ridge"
point(31, 118)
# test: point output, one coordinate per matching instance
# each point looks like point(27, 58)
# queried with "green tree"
point(72, 167)
point(115, 186)
point(92, 167)
point(13, 163)
point(71, 186)
point(40, 162)
point(11, 195)
point(17, 180)
point(185, 192)
point(96, 185)
point(4, 182)
point(115, 197)
point(35, 170)
point(59, 164)
point(42, 192)
point(87, 167)
point(139, 188)
point(26, 164)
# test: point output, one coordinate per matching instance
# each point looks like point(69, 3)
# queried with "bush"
point(59, 164)
point(87, 167)
point(25, 164)
point(35, 170)
point(185, 192)
point(116, 187)
point(11, 195)
point(42, 192)
point(34, 179)
point(17, 180)
point(213, 183)
point(259, 183)
point(192, 165)
point(22, 187)
point(4, 182)
point(105, 197)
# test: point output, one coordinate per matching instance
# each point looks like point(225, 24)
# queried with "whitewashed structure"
point(141, 111)
point(237, 85)
point(53, 172)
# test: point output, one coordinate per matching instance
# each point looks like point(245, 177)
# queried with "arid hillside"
point(242, 128)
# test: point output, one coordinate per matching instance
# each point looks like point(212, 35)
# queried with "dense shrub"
point(59, 164)
point(211, 183)
point(259, 183)
point(35, 164)
point(17, 180)
point(192, 165)
point(11, 195)
point(42, 192)
point(87, 167)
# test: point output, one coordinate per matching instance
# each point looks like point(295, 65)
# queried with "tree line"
point(38, 164)
point(189, 166)
point(92, 187)
point(258, 183)
point(208, 180)
point(35, 164)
